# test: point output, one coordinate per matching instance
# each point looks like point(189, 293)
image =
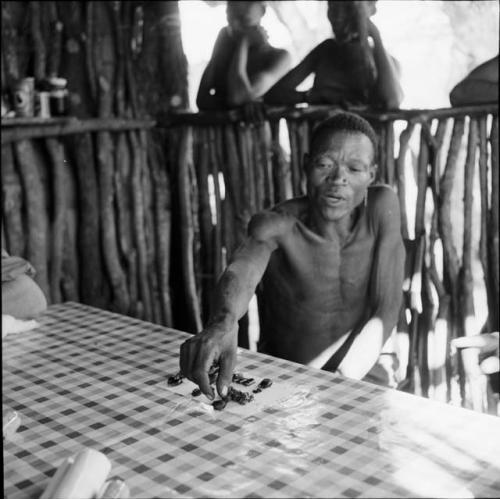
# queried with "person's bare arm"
point(207, 98)
point(217, 343)
point(242, 87)
point(388, 92)
point(385, 290)
point(284, 91)
point(479, 86)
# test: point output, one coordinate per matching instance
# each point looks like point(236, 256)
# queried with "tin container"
point(59, 102)
point(43, 107)
point(24, 97)
point(58, 96)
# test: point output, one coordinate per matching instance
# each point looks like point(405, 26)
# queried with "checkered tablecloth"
point(92, 378)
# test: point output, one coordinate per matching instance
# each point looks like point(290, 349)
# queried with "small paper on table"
point(279, 394)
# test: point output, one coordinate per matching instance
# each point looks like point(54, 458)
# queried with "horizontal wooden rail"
point(15, 129)
point(318, 112)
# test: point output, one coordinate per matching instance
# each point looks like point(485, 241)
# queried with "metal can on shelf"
point(58, 96)
point(43, 104)
point(24, 97)
point(58, 102)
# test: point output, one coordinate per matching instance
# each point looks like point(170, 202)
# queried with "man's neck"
point(333, 230)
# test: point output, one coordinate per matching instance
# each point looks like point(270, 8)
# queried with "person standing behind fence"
point(480, 86)
point(347, 70)
point(243, 66)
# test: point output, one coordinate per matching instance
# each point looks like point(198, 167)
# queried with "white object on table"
point(12, 325)
point(79, 477)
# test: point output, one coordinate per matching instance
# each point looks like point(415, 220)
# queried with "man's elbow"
point(201, 100)
point(394, 100)
point(456, 96)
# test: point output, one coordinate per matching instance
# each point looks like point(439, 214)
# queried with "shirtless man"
point(347, 71)
point(331, 265)
point(480, 86)
point(243, 66)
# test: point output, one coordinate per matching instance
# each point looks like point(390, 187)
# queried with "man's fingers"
point(226, 367)
point(200, 374)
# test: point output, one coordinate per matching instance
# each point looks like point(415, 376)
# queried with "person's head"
point(349, 18)
point(244, 15)
point(341, 164)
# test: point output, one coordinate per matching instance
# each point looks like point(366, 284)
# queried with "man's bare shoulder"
point(383, 204)
point(381, 194)
point(277, 221)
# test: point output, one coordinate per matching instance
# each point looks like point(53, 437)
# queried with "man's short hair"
point(344, 122)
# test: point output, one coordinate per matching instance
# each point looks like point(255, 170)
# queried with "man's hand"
point(256, 35)
point(373, 31)
point(254, 112)
point(216, 344)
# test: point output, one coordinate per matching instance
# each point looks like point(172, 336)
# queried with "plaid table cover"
point(89, 377)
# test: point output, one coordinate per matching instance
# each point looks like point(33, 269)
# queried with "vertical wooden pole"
point(474, 393)
point(30, 163)
point(404, 140)
point(12, 204)
point(389, 154)
point(186, 223)
point(450, 257)
point(58, 162)
point(484, 192)
point(494, 229)
point(217, 230)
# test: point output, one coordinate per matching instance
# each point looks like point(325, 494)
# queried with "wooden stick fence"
point(92, 205)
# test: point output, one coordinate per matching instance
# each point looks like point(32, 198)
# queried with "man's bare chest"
point(312, 270)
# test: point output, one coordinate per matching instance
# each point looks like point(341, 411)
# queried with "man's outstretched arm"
point(284, 91)
point(217, 343)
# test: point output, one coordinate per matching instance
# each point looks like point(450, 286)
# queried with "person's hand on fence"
point(487, 344)
point(254, 112)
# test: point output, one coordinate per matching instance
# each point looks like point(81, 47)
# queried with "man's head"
point(244, 15)
point(341, 164)
point(349, 18)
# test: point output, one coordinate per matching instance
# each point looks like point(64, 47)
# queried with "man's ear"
point(373, 172)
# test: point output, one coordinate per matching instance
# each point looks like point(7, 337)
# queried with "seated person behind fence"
point(347, 71)
point(243, 66)
point(331, 265)
point(480, 86)
point(21, 296)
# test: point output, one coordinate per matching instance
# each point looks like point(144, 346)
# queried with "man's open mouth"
point(334, 197)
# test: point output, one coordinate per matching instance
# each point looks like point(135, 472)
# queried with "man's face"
point(344, 19)
point(244, 15)
point(339, 171)
point(348, 19)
